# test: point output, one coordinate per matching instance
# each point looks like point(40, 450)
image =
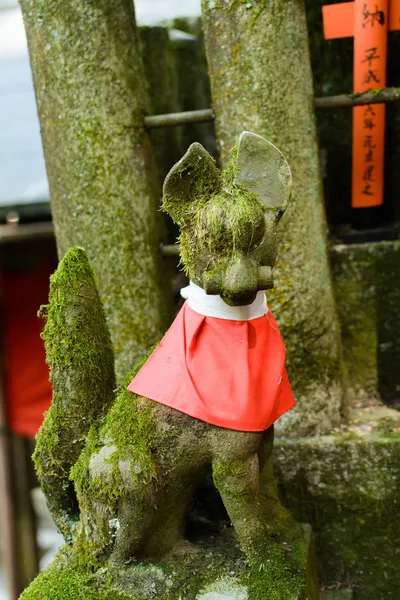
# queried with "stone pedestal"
point(367, 286)
point(346, 485)
point(344, 594)
point(211, 568)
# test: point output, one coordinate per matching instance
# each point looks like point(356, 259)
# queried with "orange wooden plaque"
point(368, 21)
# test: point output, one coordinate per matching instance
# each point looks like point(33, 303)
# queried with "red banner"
point(27, 386)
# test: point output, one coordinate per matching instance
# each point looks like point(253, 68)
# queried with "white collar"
point(214, 306)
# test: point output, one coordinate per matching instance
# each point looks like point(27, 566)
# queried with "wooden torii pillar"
point(368, 21)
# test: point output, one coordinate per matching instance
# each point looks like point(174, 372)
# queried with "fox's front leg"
point(279, 521)
point(238, 483)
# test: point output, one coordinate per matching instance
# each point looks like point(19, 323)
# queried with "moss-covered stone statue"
point(120, 468)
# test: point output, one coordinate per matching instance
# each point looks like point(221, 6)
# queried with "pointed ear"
point(194, 177)
point(263, 170)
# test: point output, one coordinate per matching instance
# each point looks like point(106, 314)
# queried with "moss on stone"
point(215, 564)
point(219, 220)
point(91, 99)
point(261, 81)
point(80, 356)
point(133, 427)
point(346, 485)
point(64, 581)
point(367, 282)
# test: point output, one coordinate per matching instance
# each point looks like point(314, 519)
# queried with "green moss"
point(366, 277)
point(281, 574)
point(80, 356)
point(218, 219)
point(346, 486)
point(64, 581)
point(215, 563)
point(131, 425)
point(91, 98)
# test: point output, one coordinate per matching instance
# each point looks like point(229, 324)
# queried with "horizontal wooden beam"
point(170, 249)
point(19, 233)
point(340, 101)
point(349, 100)
point(182, 118)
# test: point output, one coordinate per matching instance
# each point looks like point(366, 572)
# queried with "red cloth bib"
point(227, 373)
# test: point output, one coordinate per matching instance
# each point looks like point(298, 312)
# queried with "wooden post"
point(25, 515)
point(8, 502)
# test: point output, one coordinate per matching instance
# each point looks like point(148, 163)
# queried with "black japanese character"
point(367, 190)
point(369, 157)
point(371, 76)
point(369, 111)
point(368, 142)
point(370, 55)
point(370, 18)
point(369, 123)
point(367, 174)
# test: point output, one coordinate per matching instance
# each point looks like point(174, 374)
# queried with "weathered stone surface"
point(367, 286)
point(214, 570)
point(347, 486)
point(81, 360)
point(337, 595)
point(91, 99)
point(225, 589)
point(261, 81)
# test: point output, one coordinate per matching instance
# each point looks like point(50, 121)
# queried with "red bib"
point(227, 373)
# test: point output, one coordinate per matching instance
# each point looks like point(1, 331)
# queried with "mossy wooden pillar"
point(261, 82)
point(91, 99)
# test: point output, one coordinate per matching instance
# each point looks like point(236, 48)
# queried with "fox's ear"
point(263, 170)
point(195, 177)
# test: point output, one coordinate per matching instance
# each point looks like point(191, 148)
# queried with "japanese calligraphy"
point(369, 115)
point(371, 75)
point(370, 18)
point(368, 142)
point(370, 55)
point(369, 22)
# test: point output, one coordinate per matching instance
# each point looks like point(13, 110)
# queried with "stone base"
point(347, 486)
point(367, 284)
point(210, 569)
point(344, 594)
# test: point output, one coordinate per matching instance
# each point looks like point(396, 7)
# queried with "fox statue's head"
point(228, 219)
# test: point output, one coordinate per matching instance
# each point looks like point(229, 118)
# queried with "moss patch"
point(80, 356)
point(347, 486)
point(62, 580)
point(180, 577)
point(367, 283)
point(91, 98)
point(130, 422)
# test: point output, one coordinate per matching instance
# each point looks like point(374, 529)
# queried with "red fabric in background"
point(27, 386)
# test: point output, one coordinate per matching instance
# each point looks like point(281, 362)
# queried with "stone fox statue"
point(120, 467)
